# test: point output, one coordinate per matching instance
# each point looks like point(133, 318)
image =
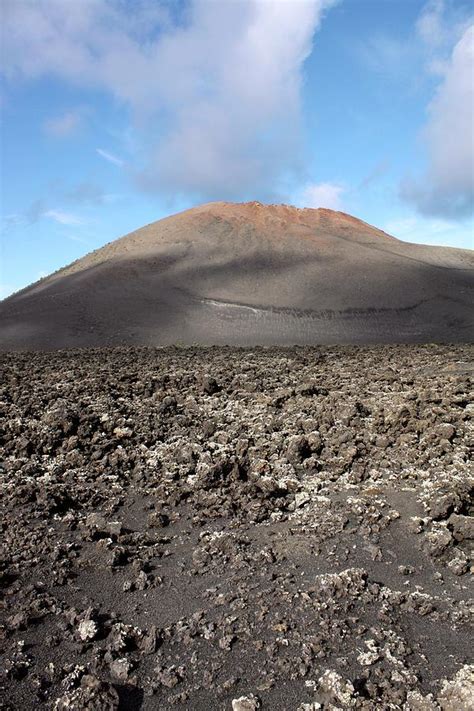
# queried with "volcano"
point(248, 274)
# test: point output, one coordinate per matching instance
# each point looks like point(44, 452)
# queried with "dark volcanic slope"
point(244, 274)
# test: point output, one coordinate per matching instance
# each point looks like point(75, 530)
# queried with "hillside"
point(243, 274)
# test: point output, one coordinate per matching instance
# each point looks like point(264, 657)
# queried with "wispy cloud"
point(86, 193)
point(373, 176)
point(327, 195)
point(29, 216)
point(387, 55)
point(11, 221)
point(428, 44)
point(64, 125)
point(425, 230)
point(63, 218)
point(34, 212)
point(439, 26)
point(441, 44)
point(430, 26)
point(110, 157)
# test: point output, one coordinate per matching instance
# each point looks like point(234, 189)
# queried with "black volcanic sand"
point(237, 529)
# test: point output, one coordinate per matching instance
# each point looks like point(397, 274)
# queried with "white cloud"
point(64, 125)
point(110, 157)
point(235, 119)
point(447, 188)
point(321, 195)
point(63, 218)
point(219, 91)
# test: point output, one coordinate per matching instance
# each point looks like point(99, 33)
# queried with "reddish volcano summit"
point(248, 273)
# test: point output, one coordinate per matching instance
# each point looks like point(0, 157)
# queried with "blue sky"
point(116, 113)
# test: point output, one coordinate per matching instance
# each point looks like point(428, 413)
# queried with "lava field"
point(237, 528)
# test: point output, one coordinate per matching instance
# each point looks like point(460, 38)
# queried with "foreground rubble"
point(237, 529)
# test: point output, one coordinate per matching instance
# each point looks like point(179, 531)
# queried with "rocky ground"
point(237, 529)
